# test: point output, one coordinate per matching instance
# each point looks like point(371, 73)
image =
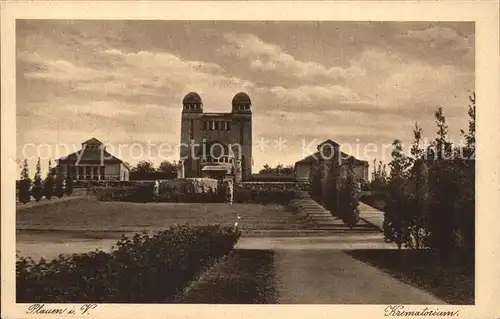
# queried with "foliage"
point(169, 169)
point(465, 204)
point(37, 190)
point(330, 189)
point(443, 175)
point(48, 184)
point(144, 167)
point(317, 175)
point(395, 218)
point(279, 169)
point(141, 269)
point(419, 201)
point(348, 200)
point(145, 170)
point(431, 194)
point(266, 192)
point(58, 186)
point(379, 177)
point(68, 190)
point(25, 170)
point(24, 184)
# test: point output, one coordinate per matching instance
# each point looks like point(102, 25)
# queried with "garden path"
point(333, 277)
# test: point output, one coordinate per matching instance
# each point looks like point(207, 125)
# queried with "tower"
point(232, 131)
point(192, 112)
point(242, 117)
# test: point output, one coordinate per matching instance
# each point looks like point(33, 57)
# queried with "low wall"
point(268, 192)
point(189, 190)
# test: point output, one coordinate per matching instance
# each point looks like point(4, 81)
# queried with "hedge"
point(268, 192)
point(141, 269)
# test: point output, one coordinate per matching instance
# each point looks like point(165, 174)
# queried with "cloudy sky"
point(123, 82)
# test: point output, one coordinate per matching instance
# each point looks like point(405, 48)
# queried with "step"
point(318, 232)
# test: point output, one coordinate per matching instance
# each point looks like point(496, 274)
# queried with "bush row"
point(430, 201)
point(141, 269)
point(269, 192)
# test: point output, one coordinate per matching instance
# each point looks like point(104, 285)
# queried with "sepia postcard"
point(252, 159)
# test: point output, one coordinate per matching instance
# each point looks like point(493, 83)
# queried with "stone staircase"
point(302, 217)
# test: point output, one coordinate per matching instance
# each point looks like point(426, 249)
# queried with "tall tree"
point(420, 192)
point(58, 185)
point(24, 184)
point(379, 177)
point(349, 196)
point(331, 174)
point(316, 183)
point(470, 135)
point(144, 167)
point(37, 183)
point(279, 169)
point(167, 170)
point(49, 182)
point(443, 189)
point(465, 204)
point(395, 217)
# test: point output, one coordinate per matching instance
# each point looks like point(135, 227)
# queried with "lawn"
point(451, 280)
point(82, 224)
point(92, 215)
point(245, 277)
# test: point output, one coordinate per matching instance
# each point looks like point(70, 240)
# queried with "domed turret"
point(242, 103)
point(192, 103)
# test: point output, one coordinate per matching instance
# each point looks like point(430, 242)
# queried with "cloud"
point(412, 86)
point(81, 80)
point(437, 36)
point(264, 56)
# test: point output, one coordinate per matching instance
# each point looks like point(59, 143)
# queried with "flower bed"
point(142, 269)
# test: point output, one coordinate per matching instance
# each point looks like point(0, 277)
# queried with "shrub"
point(48, 189)
point(268, 192)
point(69, 185)
point(24, 190)
point(58, 191)
point(142, 269)
point(24, 184)
point(349, 198)
point(317, 175)
point(431, 194)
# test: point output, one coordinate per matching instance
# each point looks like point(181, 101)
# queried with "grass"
point(92, 215)
point(452, 280)
point(245, 277)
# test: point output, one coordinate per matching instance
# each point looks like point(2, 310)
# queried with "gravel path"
point(333, 277)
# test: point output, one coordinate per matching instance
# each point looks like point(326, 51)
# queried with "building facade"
point(93, 163)
point(305, 167)
point(216, 144)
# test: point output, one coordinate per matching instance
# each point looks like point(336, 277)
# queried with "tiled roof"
point(91, 156)
point(317, 156)
point(93, 141)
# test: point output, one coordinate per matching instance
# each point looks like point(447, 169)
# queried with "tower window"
point(205, 125)
point(228, 126)
point(216, 125)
